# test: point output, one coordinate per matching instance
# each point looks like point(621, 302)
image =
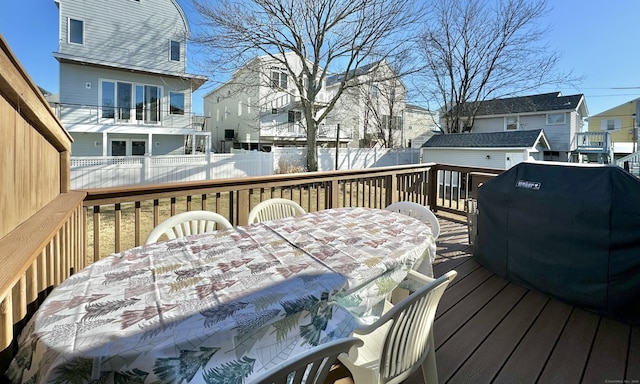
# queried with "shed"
point(499, 150)
point(569, 230)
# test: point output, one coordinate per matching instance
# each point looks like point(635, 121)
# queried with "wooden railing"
point(80, 227)
point(121, 218)
point(40, 254)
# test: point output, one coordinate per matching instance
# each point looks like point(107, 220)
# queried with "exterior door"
point(127, 147)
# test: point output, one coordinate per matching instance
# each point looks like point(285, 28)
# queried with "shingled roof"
point(336, 78)
point(527, 104)
point(515, 139)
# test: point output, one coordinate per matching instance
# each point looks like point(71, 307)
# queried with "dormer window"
point(76, 31)
point(511, 123)
point(174, 48)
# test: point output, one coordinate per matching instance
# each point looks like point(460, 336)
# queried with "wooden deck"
point(488, 330)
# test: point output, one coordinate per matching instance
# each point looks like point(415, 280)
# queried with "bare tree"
point(337, 35)
point(477, 50)
point(383, 102)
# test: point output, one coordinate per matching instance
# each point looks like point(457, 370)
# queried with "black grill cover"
point(571, 231)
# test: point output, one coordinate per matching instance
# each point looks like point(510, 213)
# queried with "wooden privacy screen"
point(42, 226)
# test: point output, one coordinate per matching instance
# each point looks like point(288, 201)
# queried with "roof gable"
point(516, 139)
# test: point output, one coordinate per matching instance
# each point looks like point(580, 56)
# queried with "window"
point(278, 79)
point(176, 103)
point(138, 147)
point(394, 122)
point(274, 111)
point(511, 123)
point(374, 91)
point(174, 50)
point(551, 156)
point(108, 100)
point(294, 116)
point(555, 118)
point(127, 147)
point(611, 124)
point(125, 93)
point(148, 99)
point(76, 31)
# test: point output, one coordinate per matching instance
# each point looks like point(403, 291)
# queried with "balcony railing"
point(298, 130)
point(94, 114)
point(83, 226)
point(593, 141)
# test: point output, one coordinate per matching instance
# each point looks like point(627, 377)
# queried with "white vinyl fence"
point(102, 172)
point(348, 158)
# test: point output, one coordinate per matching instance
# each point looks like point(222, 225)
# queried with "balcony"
point(277, 131)
point(75, 114)
point(597, 146)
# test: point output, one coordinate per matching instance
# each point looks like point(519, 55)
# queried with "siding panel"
point(109, 39)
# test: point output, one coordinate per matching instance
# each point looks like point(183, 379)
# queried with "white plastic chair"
point(417, 211)
point(276, 208)
point(188, 223)
point(310, 367)
point(401, 340)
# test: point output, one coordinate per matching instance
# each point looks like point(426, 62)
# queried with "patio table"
point(223, 306)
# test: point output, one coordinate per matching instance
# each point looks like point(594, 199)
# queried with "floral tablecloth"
point(219, 307)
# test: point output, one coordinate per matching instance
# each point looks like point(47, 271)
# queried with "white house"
point(499, 150)
point(124, 89)
point(374, 104)
point(561, 118)
point(419, 124)
point(260, 107)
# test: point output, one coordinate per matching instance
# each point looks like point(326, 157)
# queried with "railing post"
point(433, 188)
point(391, 189)
point(243, 206)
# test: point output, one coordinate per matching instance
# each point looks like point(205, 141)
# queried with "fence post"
point(209, 166)
point(146, 168)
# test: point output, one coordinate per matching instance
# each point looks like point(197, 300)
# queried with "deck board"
point(607, 360)
point(529, 358)
point(569, 357)
point(489, 330)
point(487, 360)
point(461, 345)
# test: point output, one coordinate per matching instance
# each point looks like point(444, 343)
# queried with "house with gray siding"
point(124, 89)
point(560, 117)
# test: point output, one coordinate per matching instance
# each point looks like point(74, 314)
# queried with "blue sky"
point(596, 39)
